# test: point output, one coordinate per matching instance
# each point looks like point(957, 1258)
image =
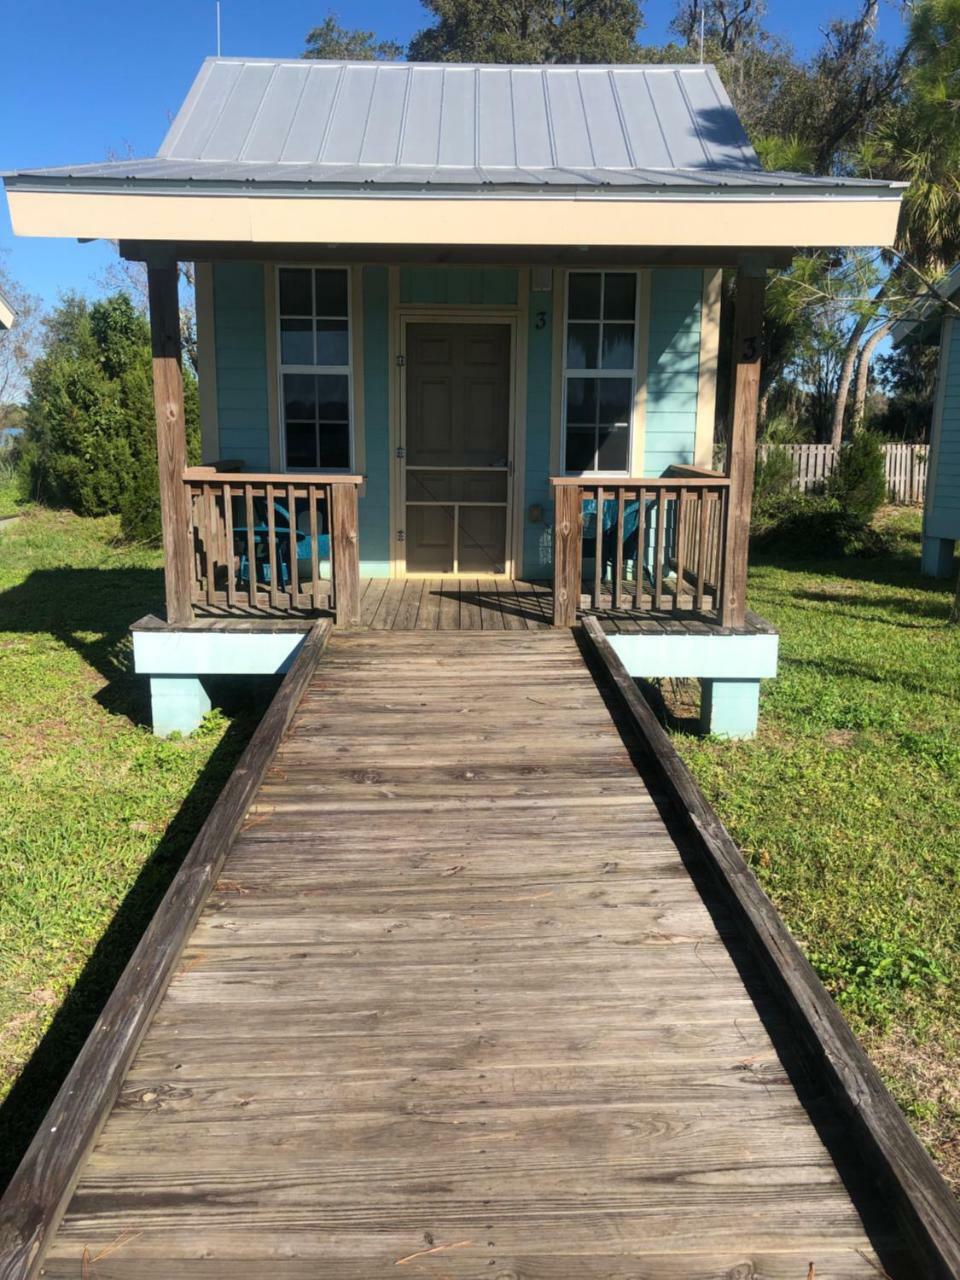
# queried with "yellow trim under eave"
point(728, 221)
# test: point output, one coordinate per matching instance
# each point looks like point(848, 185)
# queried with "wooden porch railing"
point(256, 542)
point(672, 527)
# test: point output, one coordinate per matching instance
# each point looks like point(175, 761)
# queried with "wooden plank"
point(41, 1186)
point(405, 618)
point(893, 1150)
point(163, 297)
point(428, 617)
point(251, 546)
point(273, 558)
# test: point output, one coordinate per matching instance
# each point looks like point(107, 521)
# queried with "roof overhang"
point(7, 314)
point(924, 323)
point(542, 217)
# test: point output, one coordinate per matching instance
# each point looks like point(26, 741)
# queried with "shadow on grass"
point(90, 611)
point(26, 1104)
point(897, 568)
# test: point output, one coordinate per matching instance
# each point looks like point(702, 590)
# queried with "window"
point(314, 325)
point(599, 363)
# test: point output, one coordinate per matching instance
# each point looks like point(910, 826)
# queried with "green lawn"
point(95, 813)
point(848, 806)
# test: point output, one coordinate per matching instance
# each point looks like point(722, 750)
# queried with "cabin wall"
point(942, 507)
point(673, 416)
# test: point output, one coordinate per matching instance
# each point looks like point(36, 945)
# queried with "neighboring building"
point(941, 510)
point(468, 287)
point(7, 313)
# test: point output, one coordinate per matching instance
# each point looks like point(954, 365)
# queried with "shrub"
point(858, 482)
point(90, 438)
point(812, 526)
point(774, 473)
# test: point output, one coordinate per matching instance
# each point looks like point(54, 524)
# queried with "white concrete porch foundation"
point(729, 666)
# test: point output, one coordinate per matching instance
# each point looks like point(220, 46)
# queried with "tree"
point(17, 345)
point(89, 442)
point(331, 40)
point(515, 31)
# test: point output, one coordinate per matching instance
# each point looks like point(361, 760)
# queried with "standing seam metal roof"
point(453, 116)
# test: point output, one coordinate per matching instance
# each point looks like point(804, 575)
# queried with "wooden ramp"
point(457, 1008)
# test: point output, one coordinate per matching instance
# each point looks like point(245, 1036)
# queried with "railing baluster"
point(273, 559)
point(704, 512)
point(251, 546)
point(294, 570)
point(228, 546)
point(596, 601)
point(314, 544)
point(641, 560)
point(618, 554)
point(213, 531)
point(681, 548)
point(660, 540)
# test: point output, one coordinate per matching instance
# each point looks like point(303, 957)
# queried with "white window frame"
point(316, 369)
point(603, 272)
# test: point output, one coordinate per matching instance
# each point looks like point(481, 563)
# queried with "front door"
point(457, 449)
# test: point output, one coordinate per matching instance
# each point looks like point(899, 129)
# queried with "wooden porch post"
point(171, 438)
point(345, 546)
point(567, 553)
point(742, 444)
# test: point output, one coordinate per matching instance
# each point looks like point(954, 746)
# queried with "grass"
point(848, 806)
point(95, 813)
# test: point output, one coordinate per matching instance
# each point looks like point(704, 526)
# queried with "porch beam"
point(742, 443)
point(163, 293)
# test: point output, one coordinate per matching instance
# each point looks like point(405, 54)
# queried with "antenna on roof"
point(703, 11)
point(218, 32)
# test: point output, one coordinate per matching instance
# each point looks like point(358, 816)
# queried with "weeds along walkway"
point(456, 1007)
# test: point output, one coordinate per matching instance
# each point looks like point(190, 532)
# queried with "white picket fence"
point(906, 468)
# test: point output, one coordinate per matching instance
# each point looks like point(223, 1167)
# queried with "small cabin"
point(458, 325)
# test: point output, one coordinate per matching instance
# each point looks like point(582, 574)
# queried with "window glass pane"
point(614, 400)
point(334, 445)
point(580, 449)
point(332, 342)
point(299, 396)
point(612, 453)
point(331, 292)
point(584, 297)
point(332, 397)
point(582, 346)
point(295, 299)
point(296, 342)
point(619, 296)
point(618, 346)
point(582, 400)
point(301, 444)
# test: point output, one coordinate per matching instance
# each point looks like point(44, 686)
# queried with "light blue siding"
point(240, 347)
point(673, 368)
point(459, 286)
point(537, 537)
point(375, 500)
point(942, 519)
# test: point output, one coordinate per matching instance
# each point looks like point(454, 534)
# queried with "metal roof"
point(265, 121)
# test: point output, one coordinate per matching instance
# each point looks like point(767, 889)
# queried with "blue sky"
point(81, 80)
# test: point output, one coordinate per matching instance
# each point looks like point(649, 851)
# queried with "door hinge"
point(401, 535)
point(401, 361)
point(401, 451)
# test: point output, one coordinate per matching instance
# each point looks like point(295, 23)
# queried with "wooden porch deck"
point(459, 1005)
point(487, 604)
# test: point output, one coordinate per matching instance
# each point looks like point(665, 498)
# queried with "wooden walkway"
point(456, 1008)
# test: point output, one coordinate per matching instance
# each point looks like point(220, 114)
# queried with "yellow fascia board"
point(765, 221)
